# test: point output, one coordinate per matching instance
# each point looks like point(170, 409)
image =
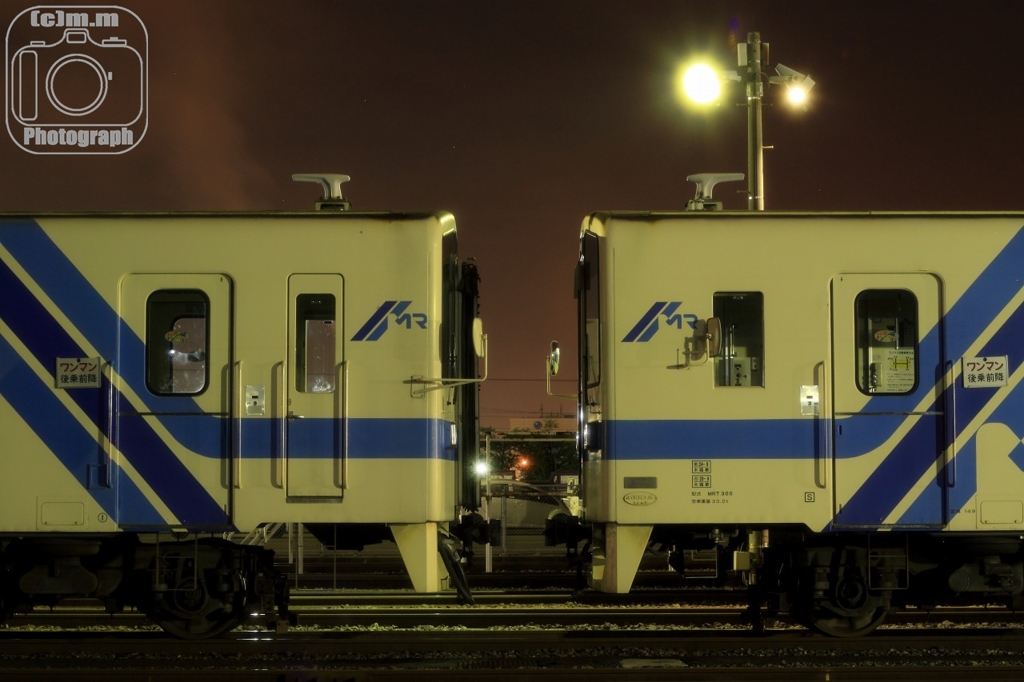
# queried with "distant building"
point(569, 479)
point(544, 425)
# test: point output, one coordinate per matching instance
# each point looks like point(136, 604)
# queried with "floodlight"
point(797, 84)
point(701, 84)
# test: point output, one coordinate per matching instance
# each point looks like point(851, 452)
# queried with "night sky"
point(522, 116)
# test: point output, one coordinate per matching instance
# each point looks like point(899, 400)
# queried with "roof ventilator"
point(333, 199)
point(705, 185)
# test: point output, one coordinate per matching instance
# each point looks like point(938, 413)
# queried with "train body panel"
point(204, 373)
point(867, 381)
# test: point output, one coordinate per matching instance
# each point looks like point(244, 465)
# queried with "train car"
point(830, 401)
point(167, 380)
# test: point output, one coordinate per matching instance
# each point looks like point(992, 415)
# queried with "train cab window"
point(315, 343)
point(741, 360)
point(176, 342)
point(886, 343)
point(588, 287)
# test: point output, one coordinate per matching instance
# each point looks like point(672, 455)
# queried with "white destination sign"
point(987, 372)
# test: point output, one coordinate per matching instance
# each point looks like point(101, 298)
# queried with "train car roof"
point(802, 214)
point(412, 214)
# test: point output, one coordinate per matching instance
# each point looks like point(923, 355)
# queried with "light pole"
point(702, 85)
point(755, 148)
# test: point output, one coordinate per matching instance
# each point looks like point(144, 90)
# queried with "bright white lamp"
point(701, 84)
point(797, 84)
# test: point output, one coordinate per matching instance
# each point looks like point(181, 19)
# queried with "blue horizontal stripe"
point(712, 439)
point(367, 438)
point(401, 438)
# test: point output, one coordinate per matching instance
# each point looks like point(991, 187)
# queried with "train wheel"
point(188, 611)
point(847, 607)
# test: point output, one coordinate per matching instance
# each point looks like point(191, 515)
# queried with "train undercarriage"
point(845, 584)
point(193, 589)
point(841, 584)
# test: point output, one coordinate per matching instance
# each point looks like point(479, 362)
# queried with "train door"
point(315, 428)
point(173, 399)
point(888, 431)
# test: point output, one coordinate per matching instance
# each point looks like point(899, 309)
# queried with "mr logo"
point(375, 327)
point(647, 327)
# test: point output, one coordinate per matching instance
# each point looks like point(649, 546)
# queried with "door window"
point(176, 342)
point(315, 343)
point(886, 341)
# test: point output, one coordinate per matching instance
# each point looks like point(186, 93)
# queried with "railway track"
point(537, 635)
point(670, 610)
point(985, 654)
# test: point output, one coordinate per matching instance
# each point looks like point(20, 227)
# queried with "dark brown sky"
point(521, 116)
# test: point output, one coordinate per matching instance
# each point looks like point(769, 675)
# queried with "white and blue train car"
point(832, 402)
point(202, 374)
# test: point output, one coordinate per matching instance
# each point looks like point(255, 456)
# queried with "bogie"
point(193, 589)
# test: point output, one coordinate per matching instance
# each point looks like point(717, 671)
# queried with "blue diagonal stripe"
point(89, 312)
point(380, 314)
point(986, 298)
point(983, 300)
point(640, 326)
point(162, 470)
point(383, 326)
point(70, 443)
